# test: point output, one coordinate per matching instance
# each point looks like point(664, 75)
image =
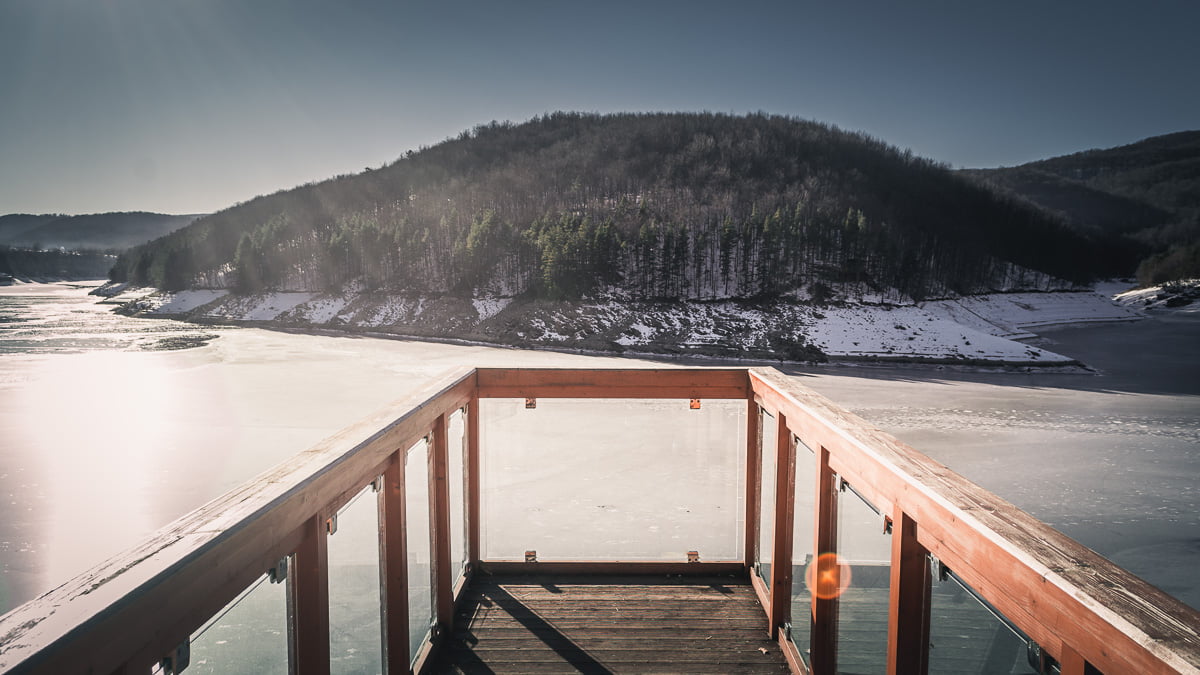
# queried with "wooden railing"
point(133, 613)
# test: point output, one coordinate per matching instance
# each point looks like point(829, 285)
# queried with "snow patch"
point(641, 334)
point(262, 307)
point(1179, 296)
point(318, 311)
point(912, 332)
point(486, 308)
point(178, 302)
point(1007, 314)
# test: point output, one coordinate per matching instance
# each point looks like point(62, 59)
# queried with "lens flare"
point(827, 577)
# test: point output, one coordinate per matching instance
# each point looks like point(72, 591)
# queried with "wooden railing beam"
point(439, 509)
point(308, 643)
point(824, 610)
point(1053, 588)
point(708, 383)
point(474, 510)
point(1073, 602)
point(753, 469)
point(393, 569)
point(781, 556)
point(908, 603)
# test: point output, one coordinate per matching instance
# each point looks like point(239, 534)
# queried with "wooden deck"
point(609, 624)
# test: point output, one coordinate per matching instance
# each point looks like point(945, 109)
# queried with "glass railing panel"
point(768, 433)
point(967, 636)
point(862, 616)
point(803, 520)
point(417, 536)
point(355, 644)
point(250, 635)
point(612, 479)
point(456, 450)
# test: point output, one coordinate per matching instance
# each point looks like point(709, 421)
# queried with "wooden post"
point(781, 558)
point(753, 468)
point(908, 603)
point(1071, 663)
point(824, 610)
point(439, 507)
point(309, 590)
point(393, 569)
point(474, 512)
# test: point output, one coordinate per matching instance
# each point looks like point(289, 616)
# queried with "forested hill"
point(660, 206)
point(1147, 194)
point(94, 232)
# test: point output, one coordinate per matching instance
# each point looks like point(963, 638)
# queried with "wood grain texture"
point(393, 568)
point(309, 587)
point(439, 510)
point(753, 468)
point(1077, 605)
point(824, 610)
point(1064, 595)
point(616, 383)
point(113, 615)
point(628, 567)
point(623, 624)
point(908, 600)
point(779, 610)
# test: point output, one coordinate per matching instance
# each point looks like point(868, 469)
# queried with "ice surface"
point(99, 449)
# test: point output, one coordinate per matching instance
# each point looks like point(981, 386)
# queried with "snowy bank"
point(1176, 296)
point(1009, 314)
point(985, 328)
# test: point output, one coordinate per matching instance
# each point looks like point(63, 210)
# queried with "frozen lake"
point(110, 429)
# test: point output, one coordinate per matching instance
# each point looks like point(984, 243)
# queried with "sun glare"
point(828, 576)
point(98, 424)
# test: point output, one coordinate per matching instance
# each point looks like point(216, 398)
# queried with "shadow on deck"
point(609, 624)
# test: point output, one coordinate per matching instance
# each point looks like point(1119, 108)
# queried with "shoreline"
point(718, 349)
point(1070, 367)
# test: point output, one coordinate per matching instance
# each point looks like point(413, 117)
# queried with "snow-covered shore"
point(970, 329)
point(1178, 296)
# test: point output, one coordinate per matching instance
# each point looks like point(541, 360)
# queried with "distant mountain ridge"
point(691, 206)
point(99, 231)
point(1146, 194)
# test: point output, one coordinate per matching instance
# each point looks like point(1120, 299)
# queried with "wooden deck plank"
point(609, 624)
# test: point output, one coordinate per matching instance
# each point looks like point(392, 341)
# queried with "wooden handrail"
point(112, 617)
point(613, 383)
point(1068, 598)
point(1079, 607)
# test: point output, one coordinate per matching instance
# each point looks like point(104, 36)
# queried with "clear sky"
point(186, 106)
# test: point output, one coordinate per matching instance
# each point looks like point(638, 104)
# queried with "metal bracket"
point(530, 556)
point(331, 524)
point(887, 525)
point(377, 484)
point(693, 556)
point(530, 403)
point(278, 573)
point(1040, 661)
point(938, 568)
point(695, 404)
point(178, 660)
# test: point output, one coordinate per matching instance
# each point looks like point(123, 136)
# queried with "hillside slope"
point(653, 206)
point(1146, 193)
point(14, 225)
point(975, 330)
point(97, 231)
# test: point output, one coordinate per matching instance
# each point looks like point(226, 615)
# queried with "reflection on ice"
point(99, 448)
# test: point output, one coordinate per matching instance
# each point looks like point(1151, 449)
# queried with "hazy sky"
point(187, 106)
